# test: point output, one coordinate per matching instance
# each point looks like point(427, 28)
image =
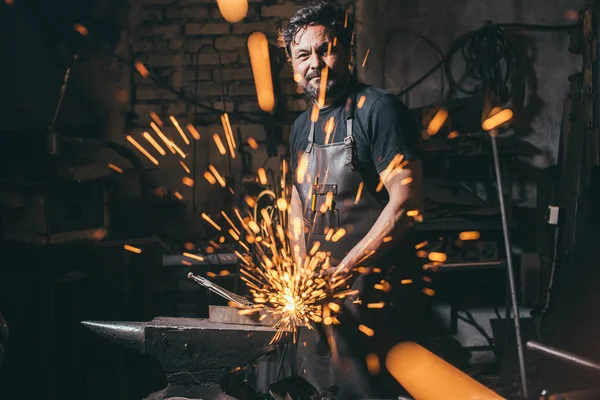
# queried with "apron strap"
point(349, 138)
point(311, 138)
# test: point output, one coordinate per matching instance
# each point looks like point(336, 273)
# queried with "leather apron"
point(328, 358)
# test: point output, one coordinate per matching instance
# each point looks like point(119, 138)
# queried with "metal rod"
point(511, 274)
point(562, 355)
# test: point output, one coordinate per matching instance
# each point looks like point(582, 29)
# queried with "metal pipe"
point(562, 355)
point(511, 274)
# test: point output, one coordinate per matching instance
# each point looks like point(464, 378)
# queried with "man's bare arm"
point(393, 220)
point(296, 224)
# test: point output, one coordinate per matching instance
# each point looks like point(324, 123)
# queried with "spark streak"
point(142, 150)
point(193, 131)
point(154, 143)
point(219, 144)
point(132, 249)
point(181, 132)
point(162, 137)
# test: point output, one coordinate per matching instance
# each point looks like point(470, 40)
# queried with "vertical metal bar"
point(509, 264)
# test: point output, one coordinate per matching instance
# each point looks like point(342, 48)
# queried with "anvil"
point(194, 353)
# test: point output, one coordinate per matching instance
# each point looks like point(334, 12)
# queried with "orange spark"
point(437, 122)
point(252, 143)
point(181, 132)
point(193, 131)
point(81, 29)
point(210, 221)
point(452, 135)
point(366, 56)
point(406, 281)
point(359, 192)
point(254, 226)
point(258, 50)
point(193, 256)
point(250, 201)
point(262, 176)
point(406, 181)
point(187, 181)
point(373, 364)
point(421, 245)
point(361, 101)
point(329, 129)
point(301, 170)
point(234, 234)
point(162, 137)
point(314, 115)
point(496, 120)
point(329, 200)
point(323, 86)
point(281, 204)
point(178, 195)
point(469, 235)
point(376, 305)
point(115, 168)
point(178, 150)
point(185, 167)
point(436, 256)
point(210, 178)
point(387, 239)
point(219, 144)
point(338, 235)
point(389, 170)
point(142, 69)
point(314, 249)
point(412, 213)
point(154, 143)
point(429, 292)
point(366, 330)
point(217, 175)
point(142, 150)
point(228, 134)
point(132, 249)
point(156, 119)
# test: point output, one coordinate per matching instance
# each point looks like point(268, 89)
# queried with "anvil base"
point(194, 353)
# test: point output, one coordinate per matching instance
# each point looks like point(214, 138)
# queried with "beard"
point(333, 87)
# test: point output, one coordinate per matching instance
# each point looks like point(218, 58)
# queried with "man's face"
point(312, 50)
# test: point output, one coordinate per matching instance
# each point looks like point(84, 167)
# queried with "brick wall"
point(177, 40)
point(180, 40)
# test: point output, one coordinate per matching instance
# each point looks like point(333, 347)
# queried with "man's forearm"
point(391, 225)
point(405, 194)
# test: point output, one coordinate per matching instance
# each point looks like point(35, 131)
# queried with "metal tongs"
point(226, 294)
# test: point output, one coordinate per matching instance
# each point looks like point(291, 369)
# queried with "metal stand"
point(52, 139)
point(511, 274)
point(563, 355)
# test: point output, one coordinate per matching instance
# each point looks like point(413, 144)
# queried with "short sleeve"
point(391, 130)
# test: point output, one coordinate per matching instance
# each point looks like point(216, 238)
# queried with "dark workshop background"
point(46, 289)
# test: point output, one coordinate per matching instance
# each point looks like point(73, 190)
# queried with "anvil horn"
point(128, 334)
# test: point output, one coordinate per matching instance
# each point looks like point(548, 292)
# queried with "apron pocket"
point(324, 222)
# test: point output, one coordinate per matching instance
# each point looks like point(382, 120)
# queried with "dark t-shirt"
point(383, 127)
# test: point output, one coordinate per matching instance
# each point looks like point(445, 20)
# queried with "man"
point(341, 153)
